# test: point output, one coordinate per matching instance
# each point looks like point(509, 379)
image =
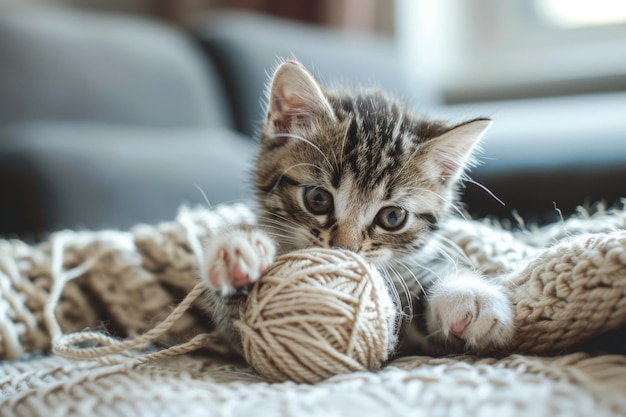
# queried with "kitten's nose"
point(346, 237)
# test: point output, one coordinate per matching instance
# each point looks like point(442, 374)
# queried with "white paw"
point(237, 259)
point(474, 311)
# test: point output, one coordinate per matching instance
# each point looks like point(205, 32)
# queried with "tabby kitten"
point(359, 171)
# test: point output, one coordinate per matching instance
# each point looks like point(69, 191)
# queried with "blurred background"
point(116, 112)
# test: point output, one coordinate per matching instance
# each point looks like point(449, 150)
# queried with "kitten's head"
point(355, 170)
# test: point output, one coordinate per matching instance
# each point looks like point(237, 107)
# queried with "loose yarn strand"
point(60, 278)
point(107, 346)
point(110, 346)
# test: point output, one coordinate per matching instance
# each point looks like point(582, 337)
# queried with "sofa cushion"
point(69, 65)
point(247, 47)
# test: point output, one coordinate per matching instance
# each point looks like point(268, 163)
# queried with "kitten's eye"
point(318, 200)
point(391, 218)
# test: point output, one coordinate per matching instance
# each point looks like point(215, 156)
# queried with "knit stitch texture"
point(567, 281)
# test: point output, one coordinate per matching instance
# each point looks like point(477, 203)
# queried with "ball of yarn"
point(318, 313)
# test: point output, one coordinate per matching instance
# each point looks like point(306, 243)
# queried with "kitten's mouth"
point(378, 259)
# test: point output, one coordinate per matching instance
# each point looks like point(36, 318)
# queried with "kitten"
point(359, 171)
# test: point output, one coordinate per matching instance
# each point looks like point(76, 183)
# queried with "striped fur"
point(358, 170)
point(369, 151)
point(371, 155)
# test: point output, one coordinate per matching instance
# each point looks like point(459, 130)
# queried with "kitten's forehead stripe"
point(352, 145)
point(337, 174)
point(375, 144)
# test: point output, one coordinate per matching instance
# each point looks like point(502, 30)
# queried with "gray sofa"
point(107, 121)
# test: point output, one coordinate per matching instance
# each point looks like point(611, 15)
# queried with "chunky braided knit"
point(567, 280)
point(564, 294)
point(151, 268)
point(125, 281)
point(570, 293)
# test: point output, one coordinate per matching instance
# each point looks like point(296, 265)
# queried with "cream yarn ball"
point(318, 313)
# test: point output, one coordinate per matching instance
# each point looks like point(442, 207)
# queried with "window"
point(479, 50)
point(578, 13)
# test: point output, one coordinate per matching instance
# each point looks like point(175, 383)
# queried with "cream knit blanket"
point(569, 287)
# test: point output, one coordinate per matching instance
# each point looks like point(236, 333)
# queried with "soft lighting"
point(575, 13)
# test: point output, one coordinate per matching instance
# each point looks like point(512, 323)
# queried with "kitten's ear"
point(295, 97)
point(452, 151)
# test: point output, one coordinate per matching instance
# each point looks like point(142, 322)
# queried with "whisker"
point(485, 189)
point(450, 259)
point(405, 288)
point(296, 228)
point(415, 263)
point(278, 231)
point(308, 142)
point(452, 245)
point(280, 237)
point(412, 274)
point(277, 224)
point(445, 200)
point(282, 221)
point(288, 231)
point(280, 177)
point(203, 194)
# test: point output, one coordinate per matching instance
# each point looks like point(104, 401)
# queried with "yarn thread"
point(68, 345)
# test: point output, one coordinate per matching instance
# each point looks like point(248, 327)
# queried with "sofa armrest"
point(96, 176)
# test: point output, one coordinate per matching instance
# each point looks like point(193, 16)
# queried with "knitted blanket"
point(567, 281)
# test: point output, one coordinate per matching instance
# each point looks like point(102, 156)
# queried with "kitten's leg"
point(231, 262)
point(236, 259)
point(466, 307)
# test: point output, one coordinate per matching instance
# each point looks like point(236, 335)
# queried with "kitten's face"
point(355, 171)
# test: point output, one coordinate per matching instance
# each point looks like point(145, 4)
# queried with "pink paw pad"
point(214, 277)
point(237, 259)
point(459, 327)
point(240, 275)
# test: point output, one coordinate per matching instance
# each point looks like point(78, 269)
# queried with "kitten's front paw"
point(237, 259)
point(473, 311)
